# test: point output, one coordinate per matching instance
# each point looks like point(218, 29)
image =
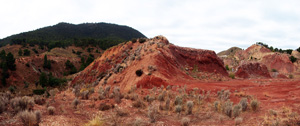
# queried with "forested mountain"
point(103, 35)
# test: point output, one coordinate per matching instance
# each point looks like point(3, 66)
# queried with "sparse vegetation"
point(117, 95)
point(51, 110)
point(293, 59)
point(2, 107)
point(22, 103)
point(254, 104)
point(152, 113)
point(185, 121)
point(190, 105)
point(96, 121)
point(237, 109)
point(75, 103)
point(30, 118)
point(178, 100)
point(138, 103)
point(231, 75)
point(274, 70)
point(227, 108)
point(142, 40)
point(226, 67)
point(238, 121)
point(244, 104)
point(291, 76)
point(178, 109)
point(47, 63)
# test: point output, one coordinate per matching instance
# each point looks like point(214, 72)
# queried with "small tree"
point(227, 68)
point(43, 79)
point(20, 52)
point(293, 59)
point(47, 63)
point(26, 52)
point(11, 61)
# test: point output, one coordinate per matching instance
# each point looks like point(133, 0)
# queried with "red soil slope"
point(252, 70)
point(264, 56)
point(30, 74)
point(280, 62)
point(162, 63)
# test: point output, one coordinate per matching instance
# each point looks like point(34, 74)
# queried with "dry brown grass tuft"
point(51, 110)
point(185, 121)
point(30, 118)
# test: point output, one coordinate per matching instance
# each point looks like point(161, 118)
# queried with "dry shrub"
point(85, 94)
point(217, 105)
point(138, 122)
point(4, 100)
point(167, 106)
point(152, 113)
point(96, 121)
point(254, 104)
point(117, 95)
point(223, 95)
point(39, 100)
point(134, 96)
point(178, 100)
point(53, 92)
point(22, 103)
point(30, 118)
point(190, 105)
point(185, 121)
point(138, 104)
point(107, 89)
point(121, 112)
point(178, 109)
point(51, 110)
point(2, 107)
point(161, 97)
point(238, 121)
point(104, 106)
point(75, 103)
point(237, 109)
point(227, 108)
point(244, 103)
point(101, 94)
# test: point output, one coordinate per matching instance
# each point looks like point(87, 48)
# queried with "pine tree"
point(20, 52)
point(11, 61)
point(47, 63)
point(3, 55)
point(43, 79)
point(5, 73)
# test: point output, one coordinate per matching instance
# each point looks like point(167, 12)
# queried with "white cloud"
point(215, 24)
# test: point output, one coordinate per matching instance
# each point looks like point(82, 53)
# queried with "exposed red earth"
point(254, 70)
point(165, 64)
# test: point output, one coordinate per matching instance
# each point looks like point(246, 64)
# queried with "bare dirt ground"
point(275, 94)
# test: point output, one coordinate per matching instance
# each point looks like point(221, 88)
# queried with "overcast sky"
point(206, 24)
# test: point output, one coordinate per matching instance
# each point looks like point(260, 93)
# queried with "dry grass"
point(96, 121)
point(75, 103)
point(22, 103)
point(185, 121)
point(51, 110)
point(30, 118)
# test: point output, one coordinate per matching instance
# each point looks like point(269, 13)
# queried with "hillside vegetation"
point(103, 35)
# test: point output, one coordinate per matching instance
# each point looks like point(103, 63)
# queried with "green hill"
point(103, 35)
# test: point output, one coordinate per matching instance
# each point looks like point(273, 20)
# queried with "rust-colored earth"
point(163, 64)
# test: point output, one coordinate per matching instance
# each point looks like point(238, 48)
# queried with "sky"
point(204, 24)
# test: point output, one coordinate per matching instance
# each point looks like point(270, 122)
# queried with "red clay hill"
point(259, 61)
point(152, 62)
